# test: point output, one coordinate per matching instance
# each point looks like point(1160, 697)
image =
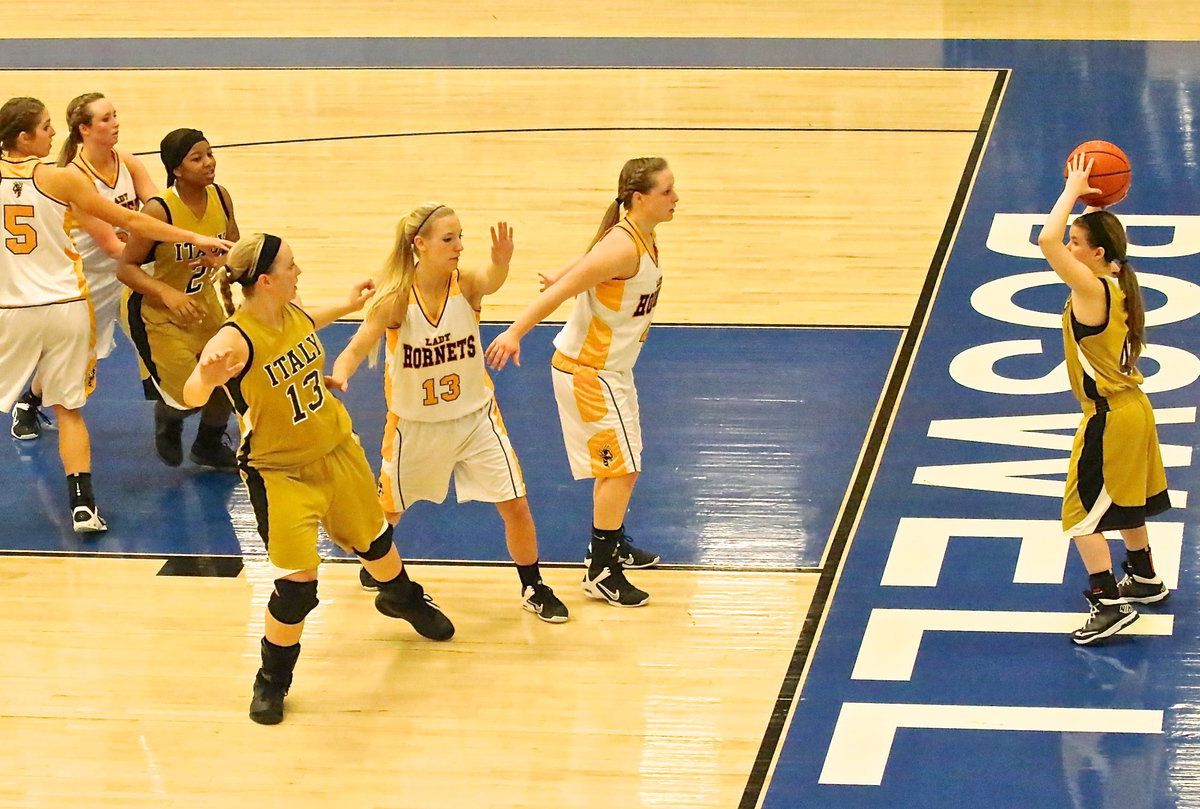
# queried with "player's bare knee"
point(515, 509)
point(292, 601)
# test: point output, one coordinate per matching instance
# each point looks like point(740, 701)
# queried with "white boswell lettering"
point(862, 739)
point(893, 636)
point(995, 299)
point(975, 368)
point(1012, 234)
point(919, 546)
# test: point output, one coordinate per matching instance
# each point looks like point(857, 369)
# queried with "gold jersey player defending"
point(171, 314)
point(299, 458)
point(443, 422)
point(1116, 478)
point(615, 286)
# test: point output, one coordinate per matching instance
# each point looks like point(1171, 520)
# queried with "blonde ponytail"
point(401, 265)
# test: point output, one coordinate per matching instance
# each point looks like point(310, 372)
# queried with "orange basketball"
point(1110, 172)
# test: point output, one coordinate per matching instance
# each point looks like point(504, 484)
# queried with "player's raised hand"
point(502, 244)
point(1077, 181)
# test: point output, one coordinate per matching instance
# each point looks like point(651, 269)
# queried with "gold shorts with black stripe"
point(1116, 477)
point(336, 491)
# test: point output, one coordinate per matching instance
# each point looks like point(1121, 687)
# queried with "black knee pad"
point(292, 601)
point(379, 548)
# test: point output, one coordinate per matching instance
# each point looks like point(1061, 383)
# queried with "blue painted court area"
point(751, 437)
point(943, 675)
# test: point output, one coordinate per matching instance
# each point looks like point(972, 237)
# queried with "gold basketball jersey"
point(610, 322)
point(287, 416)
point(39, 264)
point(1093, 353)
point(171, 259)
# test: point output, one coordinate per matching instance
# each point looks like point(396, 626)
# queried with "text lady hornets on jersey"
point(438, 350)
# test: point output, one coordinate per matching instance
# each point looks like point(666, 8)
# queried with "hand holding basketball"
point(1078, 177)
point(1109, 175)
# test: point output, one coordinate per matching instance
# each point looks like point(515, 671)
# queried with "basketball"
point(1110, 172)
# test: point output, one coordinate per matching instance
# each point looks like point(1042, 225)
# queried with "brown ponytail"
point(1105, 231)
point(637, 175)
point(1135, 317)
point(79, 113)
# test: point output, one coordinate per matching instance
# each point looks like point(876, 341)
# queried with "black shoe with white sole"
point(1135, 589)
point(28, 418)
point(631, 556)
point(542, 602)
point(608, 583)
point(1107, 617)
point(87, 520)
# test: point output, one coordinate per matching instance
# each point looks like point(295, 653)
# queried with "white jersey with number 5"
point(435, 368)
point(39, 264)
point(609, 323)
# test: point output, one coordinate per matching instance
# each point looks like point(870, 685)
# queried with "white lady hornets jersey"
point(435, 369)
point(122, 193)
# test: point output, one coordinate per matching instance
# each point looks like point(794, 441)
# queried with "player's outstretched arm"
point(611, 258)
point(223, 357)
point(360, 293)
point(360, 345)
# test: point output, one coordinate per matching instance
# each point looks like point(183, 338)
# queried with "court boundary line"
point(342, 560)
point(863, 477)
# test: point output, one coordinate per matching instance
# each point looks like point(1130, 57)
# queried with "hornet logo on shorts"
point(606, 456)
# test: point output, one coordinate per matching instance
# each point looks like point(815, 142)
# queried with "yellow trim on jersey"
point(610, 293)
point(596, 345)
point(639, 241)
point(88, 168)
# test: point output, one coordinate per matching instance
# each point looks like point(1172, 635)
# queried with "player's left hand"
point(502, 244)
point(1077, 181)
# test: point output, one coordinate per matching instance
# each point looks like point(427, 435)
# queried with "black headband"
point(426, 219)
point(174, 149)
point(262, 264)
